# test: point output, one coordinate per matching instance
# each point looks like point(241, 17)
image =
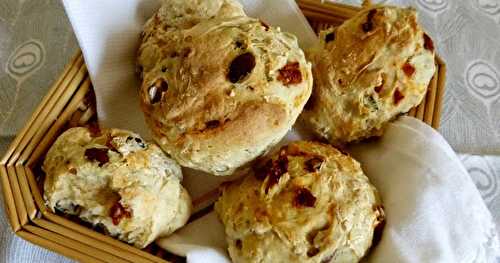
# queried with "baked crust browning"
point(306, 203)
point(367, 71)
point(235, 86)
point(115, 180)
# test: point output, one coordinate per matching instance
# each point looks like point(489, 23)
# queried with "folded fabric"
point(434, 211)
point(109, 41)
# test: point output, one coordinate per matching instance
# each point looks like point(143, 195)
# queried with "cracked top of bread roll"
point(307, 203)
point(184, 14)
point(219, 88)
point(115, 180)
point(367, 71)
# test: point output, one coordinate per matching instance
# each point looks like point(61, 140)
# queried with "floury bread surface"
point(367, 71)
point(307, 203)
point(219, 88)
point(113, 179)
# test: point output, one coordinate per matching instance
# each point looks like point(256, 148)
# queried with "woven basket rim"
point(69, 103)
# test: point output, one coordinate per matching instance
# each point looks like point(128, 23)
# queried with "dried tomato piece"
point(314, 164)
point(109, 143)
point(304, 198)
point(290, 74)
point(428, 44)
point(97, 154)
point(368, 25)
point(156, 91)
point(72, 170)
point(117, 212)
point(212, 124)
point(240, 67)
point(273, 170)
point(280, 167)
point(408, 69)
point(398, 96)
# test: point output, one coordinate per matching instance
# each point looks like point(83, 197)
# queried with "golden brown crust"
point(215, 94)
point(306, 203)
point(114, 179)
point(373, 67)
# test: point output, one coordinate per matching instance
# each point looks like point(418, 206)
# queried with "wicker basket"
point(70, 102)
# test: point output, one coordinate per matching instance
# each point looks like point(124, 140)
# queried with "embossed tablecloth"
point(36, 41)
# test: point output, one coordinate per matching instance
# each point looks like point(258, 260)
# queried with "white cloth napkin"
point(435, 213)
point(108, 34)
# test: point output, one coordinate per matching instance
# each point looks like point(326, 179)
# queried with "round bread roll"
point(308, 203)
point(367, 71)
point(115, 180)
point(222, 91)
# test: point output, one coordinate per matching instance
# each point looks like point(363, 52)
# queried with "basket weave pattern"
point(70, 102)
